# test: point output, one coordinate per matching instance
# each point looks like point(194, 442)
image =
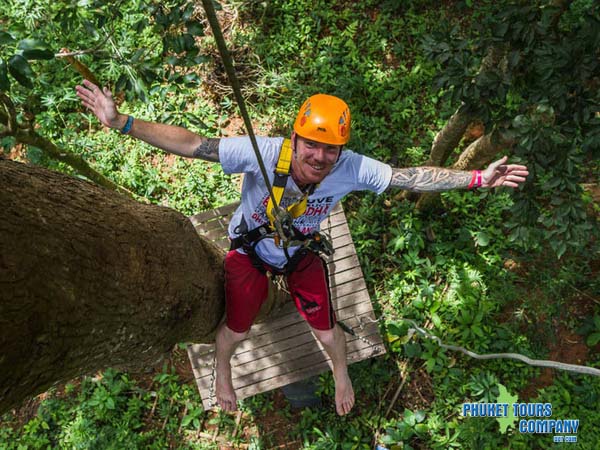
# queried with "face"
point(312, 160)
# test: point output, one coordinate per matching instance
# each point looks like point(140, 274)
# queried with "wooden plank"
point(214, 213)
point(289, 370)
point(273, 383)
point(285, 348)
point(298, 375)
point(298, 326)
point(287, 354)
point(201, 354)
point(286, 362)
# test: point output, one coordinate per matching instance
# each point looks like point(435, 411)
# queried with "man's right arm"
point(172, 139)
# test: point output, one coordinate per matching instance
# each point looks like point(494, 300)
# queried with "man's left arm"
point(438, 179)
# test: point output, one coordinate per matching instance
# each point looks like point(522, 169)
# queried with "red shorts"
point(246, 289)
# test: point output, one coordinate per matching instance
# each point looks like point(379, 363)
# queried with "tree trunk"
point(450, 136)
point(91, 279)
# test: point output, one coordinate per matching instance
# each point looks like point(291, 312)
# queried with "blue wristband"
point(127, 128)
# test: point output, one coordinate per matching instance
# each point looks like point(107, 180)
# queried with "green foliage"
point(591, 328)
point(134, 44)
point(399, 434)
point(484, 387)
point(110, 411)
point(532, 94)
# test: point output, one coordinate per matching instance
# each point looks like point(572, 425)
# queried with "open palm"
point(500, 174)
point(100, 102)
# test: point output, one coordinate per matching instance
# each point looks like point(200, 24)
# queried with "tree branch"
point(450, 136)
point(8, 115)
point(30, 137)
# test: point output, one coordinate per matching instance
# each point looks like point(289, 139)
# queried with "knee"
point(226, 333)
point(326, 337)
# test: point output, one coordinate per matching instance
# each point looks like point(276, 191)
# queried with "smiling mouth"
point(317, 167)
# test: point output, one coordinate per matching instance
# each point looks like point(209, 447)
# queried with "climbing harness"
point(281, 228)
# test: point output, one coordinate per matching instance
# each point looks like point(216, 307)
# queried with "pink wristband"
point(473, 179)
point(476, 180)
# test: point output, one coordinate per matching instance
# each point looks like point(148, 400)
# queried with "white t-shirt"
point(352, 172)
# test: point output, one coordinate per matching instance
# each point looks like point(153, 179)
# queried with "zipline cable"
point(235, 84)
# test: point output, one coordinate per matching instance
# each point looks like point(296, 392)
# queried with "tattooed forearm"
point(429, 179)
point(208, 150)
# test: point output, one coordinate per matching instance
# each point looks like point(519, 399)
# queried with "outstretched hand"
point(100, 102)
point(500, 174)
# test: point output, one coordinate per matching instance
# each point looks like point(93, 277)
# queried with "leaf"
point(4, 81)
point(187, 420)
point(6, 38)
point(20, 69)
point(482, 239)
point(195, 28)
point(593, 339)
point(37, 53)
point(35, 49)
point(510, 419)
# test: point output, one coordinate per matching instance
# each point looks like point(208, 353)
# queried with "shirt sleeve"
point(237, 156)
point(372, 175)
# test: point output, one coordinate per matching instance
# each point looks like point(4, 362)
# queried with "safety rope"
point(228, 63)
point(517, 356)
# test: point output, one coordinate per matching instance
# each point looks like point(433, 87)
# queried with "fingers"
point(496, 164)
point(89, 91)
point(91, 86)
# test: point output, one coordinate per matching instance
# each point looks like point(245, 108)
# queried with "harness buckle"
point(284, 227)
point(319, 243)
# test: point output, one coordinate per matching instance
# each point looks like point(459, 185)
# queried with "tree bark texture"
point(91, 279)
point(450, 136)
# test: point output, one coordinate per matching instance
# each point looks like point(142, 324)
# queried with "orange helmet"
point(324, 118)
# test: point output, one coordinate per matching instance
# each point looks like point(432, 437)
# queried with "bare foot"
point(224, 391)
point(344, 394)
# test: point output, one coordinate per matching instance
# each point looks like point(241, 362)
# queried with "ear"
point(294, 141)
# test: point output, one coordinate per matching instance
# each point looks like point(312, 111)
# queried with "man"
point(321, 173)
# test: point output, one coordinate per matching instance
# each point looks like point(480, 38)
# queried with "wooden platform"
point(283, 350)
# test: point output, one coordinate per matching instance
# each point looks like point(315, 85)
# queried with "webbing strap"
point(282, 173)
point(285, 158)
